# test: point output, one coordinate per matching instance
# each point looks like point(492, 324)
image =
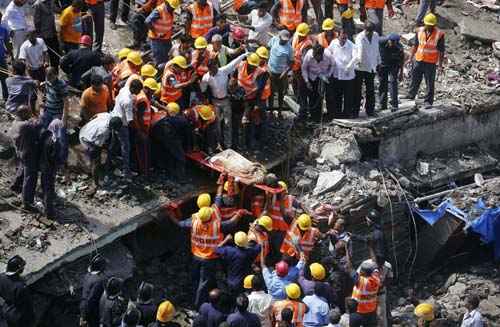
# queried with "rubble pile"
point(489, 192)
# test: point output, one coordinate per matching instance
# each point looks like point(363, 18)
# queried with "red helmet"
point(86, 40)
point(239, 33)
point(281, 268)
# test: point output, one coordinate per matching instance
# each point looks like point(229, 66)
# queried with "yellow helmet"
point(328, 24)
point(173, 109)
point(206, 112)
point(180, 61)
point(318, 272)
point(204, 214)
point(253, 59)
point(148, 71)
point(135, 58)
point(266, 222)
point(247, 282)
point(123, 53)
point(262, 52)
point(292, 291)
point(348, 14)
point(151, 84)
point(204, 199)
point(425, 311)
point(430, 19)
point(200, 42)
point(241, 239)
point(165, 312)
point(174, 3)
point(304, 222)
point(302, 29)
point(283, 185)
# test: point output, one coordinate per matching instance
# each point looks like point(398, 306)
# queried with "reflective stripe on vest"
point(365, 293)
point(375, 4)
point(146, 117)
point(427, 47)
point(202, 19)
point(168, 92)
point(290, 16)
point(200, 66)
point(307, 240)
point(279, 222)
point(205, 237)
point(249, 81)
point(162, 27)
point(298, 50)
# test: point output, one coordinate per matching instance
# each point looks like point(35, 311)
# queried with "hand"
point(83, 323)
point(245, 120)
point(390, 12)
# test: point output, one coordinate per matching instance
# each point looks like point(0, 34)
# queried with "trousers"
point(224, 114)
point(3, 76)
point(142, 147)
point(124, 10)
point(26, 180)
point(53, 45)
point(160, 49)
point(48, 178)
point(280, 86)
point(203, 279)
point(311, 100)
point(376, 16)
point(423, 70)
point(368, 79)
point(98, 13)
point(18, 37)
point(124, 139)
point(388, 82)
point(423, 7)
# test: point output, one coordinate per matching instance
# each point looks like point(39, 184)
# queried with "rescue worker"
point(292, 302)
point(263, 54)
point(171, 133)
point(373, 12)
point(204, 123)
point(92, 290)
point(160, 24)
point(165, 315)
point(259, 231)
point(247, 283)
point(257, 88)
point(288, 14)
point(237, 259)
point(124, 69)
point(201, 17)
point(201, 55)
point(76, 62)
point(207, 231)
point(300, 235)
point(177, 81)
point(375, 238)
point(301, 42)
point(227, 195)
point(112, 304)
point(138, 22)
point(428, 50)
point(142, 123)
point(145, 304)
point(17, 311)
point(328, 35)
point(425, 314)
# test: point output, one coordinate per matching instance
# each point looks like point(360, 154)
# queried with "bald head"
point(214, 295)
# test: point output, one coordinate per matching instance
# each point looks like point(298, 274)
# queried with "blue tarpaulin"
point(488, 226)
point(432, 216)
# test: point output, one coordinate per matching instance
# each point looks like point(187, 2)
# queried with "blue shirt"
point(238, 262)
point(280, 56)
point(317, 315)
point(243, 319)
point(276, 285)
point(4, 37)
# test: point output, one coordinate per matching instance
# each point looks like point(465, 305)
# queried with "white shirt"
point(344, 320)
point(124, 106)
point(344, 59)
point(218, 83)
point(14, 17)
point(385, 272)
point(260, 303)
point(367, 53)
point(33, 54)
point(261, 25)
point(472, 319)
point(96, 131)
point(312, 69)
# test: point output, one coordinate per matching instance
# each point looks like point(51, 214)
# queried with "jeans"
point(423, 7)
point(388, 81)
point(280, 86)
point(203, 279)
point(311, 100)
point(376, 16)
point(368, 79)
point(139, 29)
point(98, 13)
point(124, 11)
point(329, 8)
point(124, 138)
point(423, 70)
point(3, 76)
point(237, 109)
point(224, 113)
point(255, 130)
point(160, 49)
point(347, 24)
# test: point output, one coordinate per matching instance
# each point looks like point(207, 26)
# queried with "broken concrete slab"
point(327, 181)
point(475, 29)
point(344, 150)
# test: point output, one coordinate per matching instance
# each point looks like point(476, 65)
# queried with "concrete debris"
point(328, 181)
point(471, 28)
point(344, 150)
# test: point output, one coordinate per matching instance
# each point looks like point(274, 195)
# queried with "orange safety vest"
point(427, 46)
point(146, 118)
point(298, 50)
point(342, 2)
point(200, 66)
point(206, 236)
point(202, 19)
point(365, 293)
point(290, 16)
point(237, 4)
point(279, 222)
point(322, 40)
point(92, 2)
point(307, 240)
point(248, 81)
point(162, 27)
point(374, 4)
point(263, 240)
point(298, 308)
point(121, 72)
point(168, 92)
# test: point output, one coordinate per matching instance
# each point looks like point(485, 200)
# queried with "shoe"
point(30, 207)
point(394, 108)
